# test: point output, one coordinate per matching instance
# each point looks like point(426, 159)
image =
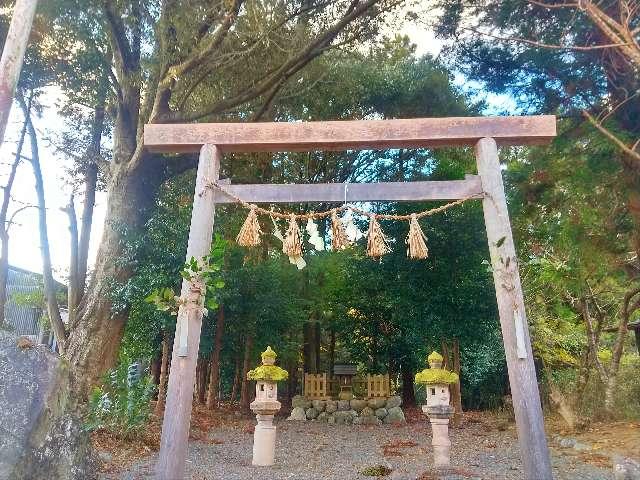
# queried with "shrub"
point(122, 404)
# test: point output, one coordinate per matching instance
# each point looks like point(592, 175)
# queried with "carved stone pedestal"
point(264, 441)
point(439, 417)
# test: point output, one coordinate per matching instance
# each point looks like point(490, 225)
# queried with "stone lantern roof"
point(268, 371)
point(435, 375)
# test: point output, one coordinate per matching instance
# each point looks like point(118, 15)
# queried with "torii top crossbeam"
point(484, 133)
point(349, 134)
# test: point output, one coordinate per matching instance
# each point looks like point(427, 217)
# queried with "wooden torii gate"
point(484, 133)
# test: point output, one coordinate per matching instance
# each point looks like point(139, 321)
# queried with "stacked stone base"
point(374, 411)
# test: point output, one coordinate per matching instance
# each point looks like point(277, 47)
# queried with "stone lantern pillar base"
point(264, 441)
point(439, 417)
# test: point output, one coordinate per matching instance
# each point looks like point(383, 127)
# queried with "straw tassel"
point(249, 235)
point(416, 240)
point(339, 240)
point(292, 245)
point(376, 240)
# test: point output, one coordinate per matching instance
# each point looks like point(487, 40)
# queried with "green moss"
point(376, 471)
point(432, 376)
point(268, 372)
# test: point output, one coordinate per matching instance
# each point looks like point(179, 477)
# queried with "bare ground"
point(484, 447)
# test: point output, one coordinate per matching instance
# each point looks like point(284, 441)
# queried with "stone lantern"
point(265, 407)
point(437, 381)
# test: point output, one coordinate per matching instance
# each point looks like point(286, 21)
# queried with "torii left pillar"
point(177, 413)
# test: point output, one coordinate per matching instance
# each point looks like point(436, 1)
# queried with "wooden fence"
point(378, 385)
point(316, 386)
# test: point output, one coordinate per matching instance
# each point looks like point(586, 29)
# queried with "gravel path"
point(312, 451)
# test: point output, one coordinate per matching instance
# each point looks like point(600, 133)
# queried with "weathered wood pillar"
point(13, 56)
point(177, 413)
point(513, 320)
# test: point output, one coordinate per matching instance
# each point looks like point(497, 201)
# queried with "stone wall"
point(374, 411)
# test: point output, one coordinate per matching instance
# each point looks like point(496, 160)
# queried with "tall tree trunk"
point(408, 393)
point(214, 367)
point(456, 394)
point(246, 365)
point(332, 351)
point(164, 368)
point(53, 308)
point(4, 225)
point(95, 336)
point(584, 372)
point(236, 379)
point(309, 352)
point(292, 382)
point(629, 306)
point(317, 336)
point(90, 185)
point(202, 371)
point(73, 289)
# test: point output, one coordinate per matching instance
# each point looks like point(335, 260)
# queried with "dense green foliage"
point(121, 405)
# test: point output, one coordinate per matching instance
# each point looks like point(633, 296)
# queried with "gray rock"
point(331, 406)
point(312, 413)
point(625, 468)
point(319, 405)
point(582, 447)
point(343, 417)
point(381, 412)
point(367, 412)
point(358, 404)
point(331, 420)
point(297, 414)
point(371, 420)
point(357, 421)
point(343, 405)
point(376, 403)
point(105, 457)
point(300, 401)
point(41, 430)
point(393, 402)
point(394, 415)
point(568, 442)
point(322, 417)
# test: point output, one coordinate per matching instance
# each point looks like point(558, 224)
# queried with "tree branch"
point(632, 157)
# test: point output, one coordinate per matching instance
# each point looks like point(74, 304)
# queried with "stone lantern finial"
point(435, 360)
point(269, 356)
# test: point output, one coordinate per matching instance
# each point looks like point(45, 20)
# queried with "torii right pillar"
point(513, 319)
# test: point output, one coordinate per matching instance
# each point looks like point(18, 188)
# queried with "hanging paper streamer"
point(314, 236)
point(249, 235)
point(292, 246)
point(416, 240)
point(352, 232)
point(377, 244)
point(339, 240)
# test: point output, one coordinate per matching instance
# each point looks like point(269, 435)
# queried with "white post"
point(264, 441)
point(177, 413)
point(440, 441)
point(13, 55)
point(517, 344)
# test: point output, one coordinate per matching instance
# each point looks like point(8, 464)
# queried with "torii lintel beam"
point(349, 134)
